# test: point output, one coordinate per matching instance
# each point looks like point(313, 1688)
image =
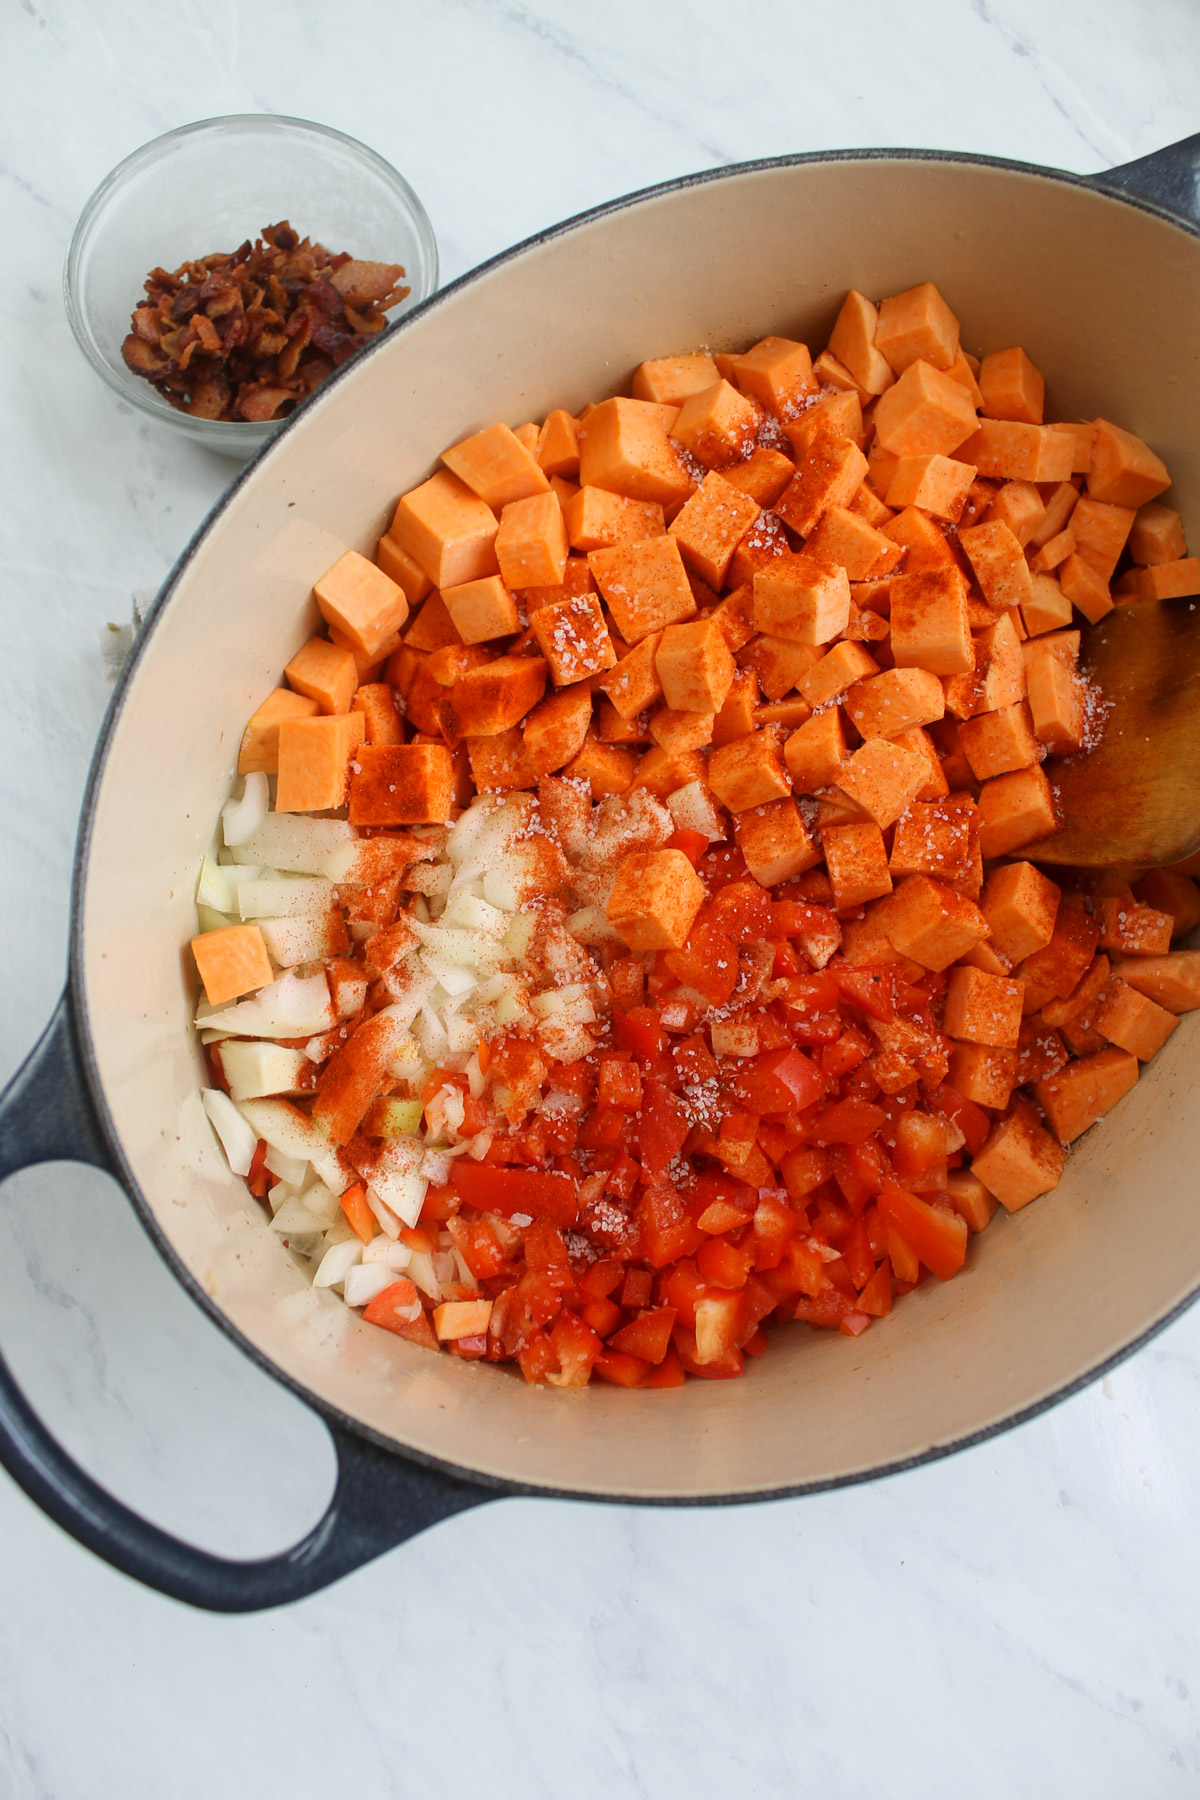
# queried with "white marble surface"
point(1020, 1619)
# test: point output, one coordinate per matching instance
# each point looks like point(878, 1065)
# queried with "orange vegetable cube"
point(1015, 810)
point(1020, 905)
point(1132, 1021)
point(449, 532)
point(361, 601)
point(748, 772)
point(1008, 450)
point(497, 466)
point(681, 731)
point(995, 743)
point(623, 445)
point(1000, 678)
point(645, 586)
point(999, 564)
point(314, 761)
point(775, 842)
point(662, 772)
point(815, 755)
point(482, 609)
point(531, 544)
point(926, 413)
point(574, 639)
point(1056, 705)
point(1054, 551)
point(670, 380)
point(857, 860)
point(1020, 1160)
point(935, 837)
point(709, 526)
point(655, 899)
point(433, 628)
point(1056, 512)
point(1084, 588)
point(982, 1073)
point(402, 784)
point(1048, 607)
point(930, 629)
point(779, 664)
point(718, 425)
point(735, 616)
point(852, 341)
point(937, 484)
point(1124, 471)
point(736, 718)
point(970, 1199)
point(1020, 506)
point(1101, 531)
point(632, 684)
point(493, 697)
point(764, 475)
point(1157, 535)
point(799, 598)
point(836, 671)
point(401, 568)
point(596, 519)
point(232, 961)
point(1085, 1090)
point(921, 743)
point(1173, 980)
point(778, 373)
point(829, 372)
point(609, 769)
point(500, 763)
point(1011, 387)
point(376, 701)
point(931, 924)
point(555, 730)
point(845, 537)
point(259, 752)
point(694, 666)
point(1131, 928)
point(1165, 580)
point(325, 674)
point(883, 779)
point(916, 325)
point(461, 1318)
point(836, 415)
point(983, 1009)
point(557, 451)
point(868, 506)
point(833, 470)
point(1168, 891)
point(922, 541)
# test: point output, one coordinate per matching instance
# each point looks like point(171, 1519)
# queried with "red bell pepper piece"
point(576, 1346)
point(640, 1032)
point(668, 1374)
point(779, 1081)
point(542, 1193)
point(870, 989)
point(723, 1264)
point(621, 1370)
point(648, 1336)
point(850, 1121)
point(667, 1230)
point(478, 1246)
point(694, 844)
point(971, 1120)
point(938, 1235)
point(662, 1128)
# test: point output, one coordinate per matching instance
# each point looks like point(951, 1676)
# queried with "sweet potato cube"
point(314, 761)
point(1056, 705)
point(497, 466)
point(883, 779)
point(554, 731)
point(917, 325)
point(830, 372)
point(983, 1073)
point(971, 1200)
point(926, 413)
point(1055, 513)
point(433, 628)
point(999, 564)
point(1101, 531)
point(898, 700)
point(852, 341)
point(607, 768)
point(1131, 928)
point(931, 924)
point(1165, 580)
point(623, 445)
point(655, 899)
point(922, 541)
point(1169, 892)
point(597, 519)
point(930, 629)
point(836, 671)
point(867, 505)
point(765, 541)
point(531, 545)
point(1157, 535)
point(632, 684)
point(325, 673)
point(644, 585)
point(1020, 506)
point(361, 601)
point(376, 701)
point(259, 752)
point(983, 1009)
point(1020, 1159)
point(1015, 810)
point(736, 717)
point(934, 837)
point(493, 697)
point(674, 731)
point(670, 380)
point(1008, 450)
point(763, 476)
point(779, 664)
point(694, 666)
point(832, 416)
point(1021, 905)
point(663, 772)
point(816, 754)
point(1048, 608)
point(831, 473)
point(557, 450)
point(709, 526)
point(482, 609)
point(799, 598)
point(1000, 669)
point(844, 537)
point(921, 743)
point(1011, 387)
point(449, 532)
point(1085, 1090)
point(232, 961)
point(1084, 588)
point(718, 425)
point(1124, 471)
point(937, 484)
point(402, 784)
point(748, 772)
point(778, 373)
point(1173, 980)
point(1133, 1021)
point(995, 743)
point(857, 860)
point(1054, 551)
point(573, 638)
point(403, 569)
point(500, 763)
point(775, 842)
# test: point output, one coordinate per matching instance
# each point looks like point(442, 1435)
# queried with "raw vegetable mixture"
point(622, 945)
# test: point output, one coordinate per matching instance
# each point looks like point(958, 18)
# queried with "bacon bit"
point(249, 334)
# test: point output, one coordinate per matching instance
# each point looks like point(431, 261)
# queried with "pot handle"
point(1170, 177)
point(379, 1499)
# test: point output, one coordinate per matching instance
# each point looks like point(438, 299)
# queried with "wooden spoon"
point(1135, 799)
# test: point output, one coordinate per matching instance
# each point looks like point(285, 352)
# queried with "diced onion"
point(238, 1140)
point(337, 1262)
point(364, 1281)
point(240, 819)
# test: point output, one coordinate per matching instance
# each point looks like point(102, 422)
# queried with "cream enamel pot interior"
point(1104, 292)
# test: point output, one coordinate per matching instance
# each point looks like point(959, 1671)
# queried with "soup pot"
point(1100, 281)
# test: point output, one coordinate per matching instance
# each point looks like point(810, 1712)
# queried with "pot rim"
point(333, 1415)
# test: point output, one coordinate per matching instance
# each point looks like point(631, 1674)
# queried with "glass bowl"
point(207, 187)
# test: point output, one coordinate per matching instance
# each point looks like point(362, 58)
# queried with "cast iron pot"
point(1100, 281)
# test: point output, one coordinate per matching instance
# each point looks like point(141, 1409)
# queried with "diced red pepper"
point(937, 1234)
point(870, 989)
point(708, 962)
point(537, 1358)
point(621, 1370)
point(662, 1128)
point(722, 1368)
point(541, 1193)
point(876, 1297)
point(641, 1033)
point(906, 1265)
point(775, 1225)
point(856, 1254)
point(780, 1081)
point(694, 844)
point(358, 1214)
point(854, 1323)
point(576, 1346)
point(396, 1309)
point(681, 1289)
point(602, 1278)
point(669, 1373)
point(850, 1121)
point(478, 1245)
point(971, 1120)
point(743, 909)
point(637, 1289)
point(620, 1084)
point(796, 918)
point(648, 1336)
point(602, 1315)
point(667, 1231)
point(723, 1264)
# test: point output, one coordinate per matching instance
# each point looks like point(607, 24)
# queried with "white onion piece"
point(323, 1201)
point(499, 891)
point(293, 1216)
point(240, 819)
point(364, 1281)
point(237, 1138)
point(389, 1224)
point(285, 897)
point(293, 1006)
point(336, 1262)
point(285, 1128)
point(292, 1169)
point(693, 809)
point(382, 1250)
point(420, 1273)
point(292, 841)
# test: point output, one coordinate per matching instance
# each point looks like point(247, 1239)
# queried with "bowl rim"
point(333, 1416)
point(225, 433)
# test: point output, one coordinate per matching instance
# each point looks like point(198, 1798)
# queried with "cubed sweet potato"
point(930, 628)
point(1085, 1090)
point(401, 784)
point(797, 597)
point(574, 639)
point(1124, 471)
point(645, 585)
point(493, 697)
point(314, 760)
point(232, 961)
point(778, 373)
point(1020, 1159)
point(670, 380)
point(930, 923)
point(748, 772)
point(709, 526)
point(1016, 810)
point(882, 778)
point(694, 666)
point(775, 842)
point(366, 605)
point(916, 325)
point(857, 860)
point(623, 445)
point(655, 899)
point(816, 753)
point(926, 413)
point(1012, 388)
point(259, 751)
point(717, 425)
point(482, 609)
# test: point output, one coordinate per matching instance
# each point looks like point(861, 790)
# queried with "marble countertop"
point(1019, 1619)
